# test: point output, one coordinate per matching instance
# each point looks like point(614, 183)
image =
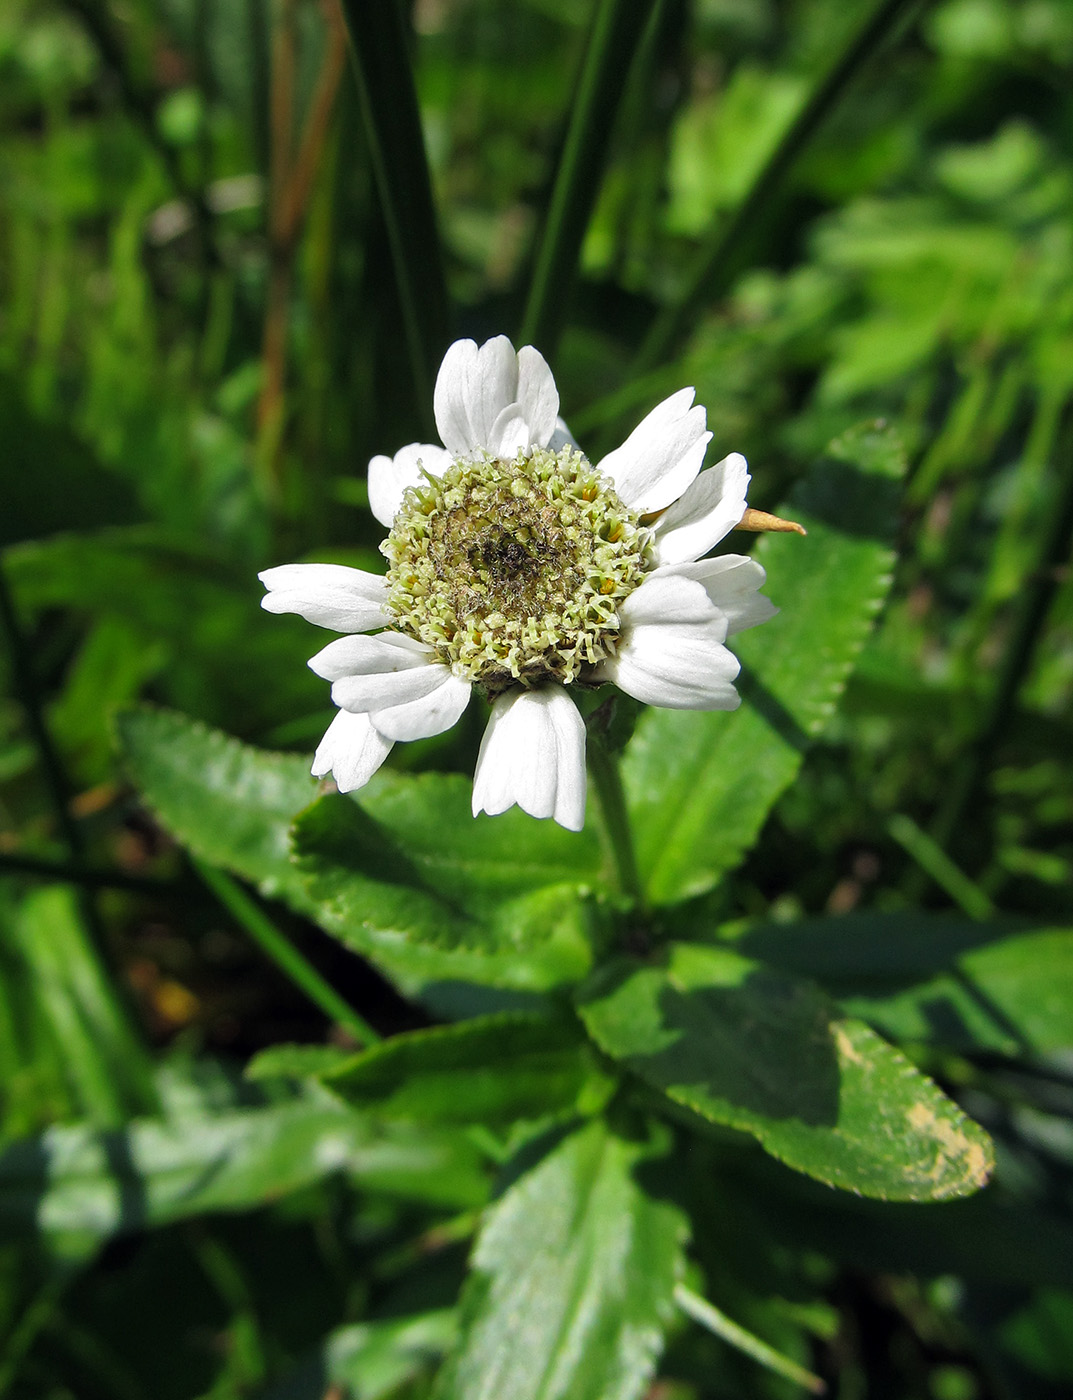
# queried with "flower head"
point(517, 566)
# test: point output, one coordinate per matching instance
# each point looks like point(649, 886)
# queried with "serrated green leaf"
point(752, 1049)
point(363, 887)
point(367, 890)
point(229, 803)
point(492, 1069)
point(80, 1181)
point(233, 805)
point(296, 1062)
point(475, 862)
point(700, 784)
point(962, 983)
point(575, 1265)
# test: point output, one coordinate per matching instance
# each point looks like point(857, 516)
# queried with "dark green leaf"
point(575, 1265)
point(476, 863)
point(617, 32)
point(489, 1070)
point(233, 805)
point(194, 611)
point(1040, 1335)
point(230, 804)
point(1012, 996)
point(701, 784)
point(743, 1046)
point(364, 888)
point(414, 914)
point(935, 978)
point(870, 946)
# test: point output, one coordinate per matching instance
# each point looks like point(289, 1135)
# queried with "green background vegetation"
point(235, 239)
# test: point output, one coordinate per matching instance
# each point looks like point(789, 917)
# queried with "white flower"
point(518, 567)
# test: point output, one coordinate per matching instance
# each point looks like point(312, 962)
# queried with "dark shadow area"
point(884, 946)
point(766, 703)
point(854, 502)
point(764, 1046)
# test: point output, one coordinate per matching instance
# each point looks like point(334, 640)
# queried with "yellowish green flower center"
point(513, 570)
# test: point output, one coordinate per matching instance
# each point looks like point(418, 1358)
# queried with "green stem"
point(709, 1316)
point(719, 261)
point(283, 953)
point(933, 860)
point(619, 28)
point(604, 769)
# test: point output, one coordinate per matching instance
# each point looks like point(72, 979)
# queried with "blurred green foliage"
point(208, 323)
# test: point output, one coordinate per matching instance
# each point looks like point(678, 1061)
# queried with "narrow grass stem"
point(283, 953)
point(607, 780)
point(933, 860)
point(709, 1316)
point(618, 30)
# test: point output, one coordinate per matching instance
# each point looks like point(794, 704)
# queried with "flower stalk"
point(607, 780)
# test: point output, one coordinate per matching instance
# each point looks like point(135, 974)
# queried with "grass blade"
point(619, 27)
point(709, 1316)
point(393, 126)
point(283, 953)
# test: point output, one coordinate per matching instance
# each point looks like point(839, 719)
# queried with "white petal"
point(672, 652)
point(390, 476)
point(388, 689)
point(351, 751)
point(707, 510)
point(331, 595)
point(455, 385)
point(731, 582)
point(363, 656)
point(661, 456)
point(538, 397)
point(472, 389)
point(533, 754)
point(429, 714)
point(509, 434)
point(493, 400)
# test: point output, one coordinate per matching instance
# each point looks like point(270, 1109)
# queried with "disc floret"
point(512, 571)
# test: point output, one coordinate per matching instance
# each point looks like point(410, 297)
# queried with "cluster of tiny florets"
point(513, 570)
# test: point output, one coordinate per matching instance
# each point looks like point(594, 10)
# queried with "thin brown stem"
point(292, 175)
